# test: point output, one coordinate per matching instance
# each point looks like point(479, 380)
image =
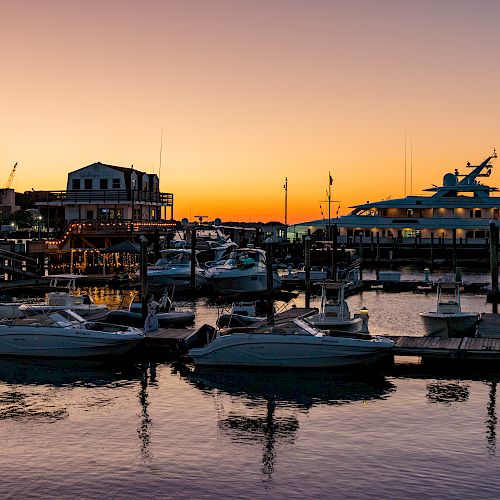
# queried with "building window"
point(477, 214)
point(116, 183)
point(496, 213)
point(88, 183)
point(469, 234)
point(76, 184)
point(90, 214)
point(103, 183)
point(480, 234)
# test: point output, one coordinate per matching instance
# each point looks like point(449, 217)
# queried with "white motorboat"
point(244, 271)
point(64, 334)
point(174, 268)
point(293, 344)
point(83, 305)
point(448, 320)
point(334, 312)
point(167, 314)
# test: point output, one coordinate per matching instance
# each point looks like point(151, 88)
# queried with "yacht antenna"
point(405, 163)
point(286, 200)
point(411, 165)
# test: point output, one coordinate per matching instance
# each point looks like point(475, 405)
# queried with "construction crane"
point(11, 176)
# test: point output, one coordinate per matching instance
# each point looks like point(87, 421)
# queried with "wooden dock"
point(472, 349)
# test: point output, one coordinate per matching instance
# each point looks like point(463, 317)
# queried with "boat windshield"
point(177, 259)
point(62, 318)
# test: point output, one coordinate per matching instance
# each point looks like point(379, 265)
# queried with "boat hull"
point(290, 351)
point(165, 320)
point(46, 343)
point(449, 325)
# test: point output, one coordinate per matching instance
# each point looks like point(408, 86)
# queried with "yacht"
point(174, 268)
point(461, 206)
point(244, 271)
point(83, 305)
point(63, 334)
point(448, 320)
point(334, 312)
point(291, 344)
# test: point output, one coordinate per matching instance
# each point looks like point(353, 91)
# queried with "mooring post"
point(307, 269)
point(144, 276)
point(270, 281)
point(360, 256)
point(494, 264)
point(193, 257)
point(432, 251)
point(334, 252)
point(454, 249)
point(377, 261)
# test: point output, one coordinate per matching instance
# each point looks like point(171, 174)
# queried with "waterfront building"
point(100, 192)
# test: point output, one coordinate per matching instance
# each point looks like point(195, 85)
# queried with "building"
point(101, 192)
point(8, 202)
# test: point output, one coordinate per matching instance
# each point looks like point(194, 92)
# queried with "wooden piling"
point(270, 280)
point(193, 257)
point(377, 260)
point(144, 276)
point(307, 269)
point(454, 249)
point(494, 264)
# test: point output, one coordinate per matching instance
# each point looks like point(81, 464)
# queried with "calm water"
point(74, 429)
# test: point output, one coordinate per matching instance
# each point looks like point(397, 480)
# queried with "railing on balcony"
point(104, 196)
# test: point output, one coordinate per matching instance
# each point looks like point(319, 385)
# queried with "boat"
point(245, 270)
point(64, 334)
point(460, 207)
point(334, 311)
point(291, 344)
point(241, 314)
point(174, 268)
point(83, 305)
point(167, 314)
point(448, 320)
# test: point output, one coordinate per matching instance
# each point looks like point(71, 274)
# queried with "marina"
point(250, 250)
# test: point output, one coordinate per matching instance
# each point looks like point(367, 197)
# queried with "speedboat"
point(291, 344)
point(334, 312)
point(64, 334)
point(83, 305)
point(167, 314)
point(448, 320)
point(240, 314)
point(174, 268)
point(244, 271)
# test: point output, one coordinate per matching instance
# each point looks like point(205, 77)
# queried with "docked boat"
point(244, 271)
point(83, 305)
point(166, 313)
point(448, 320)
point(174, 268)
point(334, 311)
point(64, 334)
point(240, 314)
point(291, 344)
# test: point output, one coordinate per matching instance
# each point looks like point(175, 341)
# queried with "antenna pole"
point(411, 165)
point(286, 201)
point(161, 147)
point(405, 162)
point(329, 204)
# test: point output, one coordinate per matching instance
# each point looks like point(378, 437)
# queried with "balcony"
point(103, 197)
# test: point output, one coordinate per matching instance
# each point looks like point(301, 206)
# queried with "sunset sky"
point(248, 93)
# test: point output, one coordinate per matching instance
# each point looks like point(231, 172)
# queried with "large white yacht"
point(462, 204)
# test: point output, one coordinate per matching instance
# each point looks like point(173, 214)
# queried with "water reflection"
point(267, 403)
point(447, 392)
point(491, 420)
point(27, 385)
point(148, 377)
